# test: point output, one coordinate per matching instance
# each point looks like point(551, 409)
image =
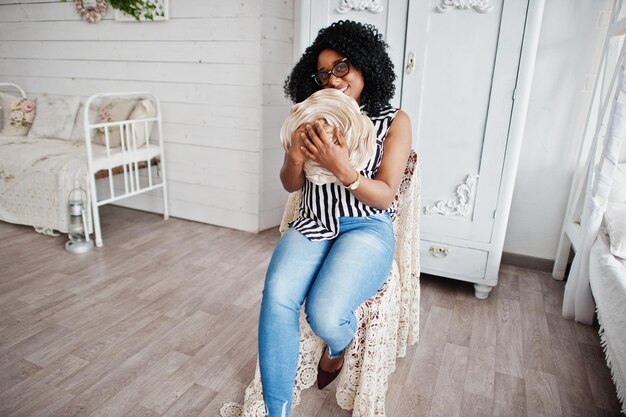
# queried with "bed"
point(595, 220)
point(607, 278)
point(110, 158)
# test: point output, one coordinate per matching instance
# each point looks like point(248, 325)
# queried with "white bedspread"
point(607, 276)
point(37, 175)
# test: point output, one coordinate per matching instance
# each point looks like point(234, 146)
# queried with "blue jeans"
point(334, 276)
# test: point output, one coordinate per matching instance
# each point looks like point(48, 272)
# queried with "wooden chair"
point(388, 322)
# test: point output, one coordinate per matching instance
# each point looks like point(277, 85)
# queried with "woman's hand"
point(319, 147)
point(292, 172)
point(295, 152)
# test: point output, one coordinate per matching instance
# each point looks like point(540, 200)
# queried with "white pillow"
point(78, 133)
point(143, 110)
point(17, 113)
point(615, 217)
point(55, 117)
point(622, 154)
point(617, 194)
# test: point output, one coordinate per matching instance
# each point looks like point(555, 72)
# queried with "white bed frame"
point(598, 159)
point(17, 87)
point(595, 279)
point(133, 158)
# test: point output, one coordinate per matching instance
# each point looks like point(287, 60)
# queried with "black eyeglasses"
point(340, 69)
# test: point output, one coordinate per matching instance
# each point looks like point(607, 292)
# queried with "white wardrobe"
point(464, 70)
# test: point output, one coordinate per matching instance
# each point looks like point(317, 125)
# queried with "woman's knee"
point(278, 296)
point(326, 319)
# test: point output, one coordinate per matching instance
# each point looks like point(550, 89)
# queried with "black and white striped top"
point(322, 205)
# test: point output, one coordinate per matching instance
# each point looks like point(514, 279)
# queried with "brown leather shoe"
point(325, 377)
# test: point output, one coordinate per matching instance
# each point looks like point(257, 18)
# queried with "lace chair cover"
point(387, 323)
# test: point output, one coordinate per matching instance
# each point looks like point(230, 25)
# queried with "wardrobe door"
point(458, 89)
point(389, 17)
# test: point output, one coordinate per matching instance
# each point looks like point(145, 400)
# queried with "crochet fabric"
point(388, 323)
point(337, 110)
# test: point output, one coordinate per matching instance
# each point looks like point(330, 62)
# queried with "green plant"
point(138, 9)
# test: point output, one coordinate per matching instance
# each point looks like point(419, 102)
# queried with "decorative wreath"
point(91, 14)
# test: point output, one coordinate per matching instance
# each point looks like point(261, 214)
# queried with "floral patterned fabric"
point(113, 110)
point(388, 322)
point(18, 115)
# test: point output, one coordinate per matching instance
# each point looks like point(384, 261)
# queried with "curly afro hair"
point(365, 49)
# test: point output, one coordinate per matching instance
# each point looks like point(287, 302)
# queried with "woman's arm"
point(380, 191)
point(292, 173)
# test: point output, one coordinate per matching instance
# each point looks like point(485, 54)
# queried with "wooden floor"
point(161, 321)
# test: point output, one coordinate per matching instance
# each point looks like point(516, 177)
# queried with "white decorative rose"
point(17, 116)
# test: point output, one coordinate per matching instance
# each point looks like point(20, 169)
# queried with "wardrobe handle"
point(439, 252)
point(410, 66)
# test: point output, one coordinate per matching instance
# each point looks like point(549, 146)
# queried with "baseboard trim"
point(528, 262)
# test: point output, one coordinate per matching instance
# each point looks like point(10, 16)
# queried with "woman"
point(339, 250)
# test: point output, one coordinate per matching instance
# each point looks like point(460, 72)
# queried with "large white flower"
point(17, 116)
point(338, 111)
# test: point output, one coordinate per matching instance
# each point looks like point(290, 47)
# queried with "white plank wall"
point(218, 69)
point(276, 53)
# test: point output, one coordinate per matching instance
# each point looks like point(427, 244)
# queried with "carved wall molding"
point(459, 207)
point(480, 6)
point(372, 6)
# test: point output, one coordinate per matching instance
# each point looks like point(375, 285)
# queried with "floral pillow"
point(55, 117)
point(113, 111)
point(18, 115)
